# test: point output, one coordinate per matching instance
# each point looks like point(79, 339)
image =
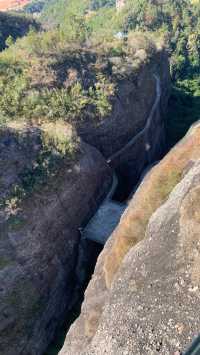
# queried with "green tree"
point(9, 41)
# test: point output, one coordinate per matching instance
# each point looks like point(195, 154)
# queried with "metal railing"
point(194, 349)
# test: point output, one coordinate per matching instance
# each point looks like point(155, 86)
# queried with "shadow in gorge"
point(85, 269)
point(184, 110)
point(125, 185)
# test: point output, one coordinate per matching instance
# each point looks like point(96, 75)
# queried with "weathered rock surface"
point(144, 295)
point(154, 302)
point(39, 239)
point(132, 107)
point(136, 92)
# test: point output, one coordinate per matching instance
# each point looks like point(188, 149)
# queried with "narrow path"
point(109, 213)
point(146, 127)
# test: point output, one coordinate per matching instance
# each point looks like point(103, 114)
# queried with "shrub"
point(141, 41)
point(103, 91)
point(59, 137)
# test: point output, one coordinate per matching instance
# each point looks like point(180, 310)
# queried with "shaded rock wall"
point(154, 301)
point(132, 104)
point(165, 263)
point(132, 107)
point(39, 245)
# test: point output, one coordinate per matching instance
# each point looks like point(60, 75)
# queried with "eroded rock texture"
point(39, 239)
point(136, 95)
point(144, 294)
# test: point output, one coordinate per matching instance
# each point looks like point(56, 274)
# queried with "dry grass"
point(150, 196)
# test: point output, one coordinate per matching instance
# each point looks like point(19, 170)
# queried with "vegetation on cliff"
point(43, 150)
point(13, 26)
point(69, 72)
point(65, 73)
point(82, 27)
point(175, 21)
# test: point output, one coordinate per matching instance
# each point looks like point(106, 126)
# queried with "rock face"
point(132, 107)
point(144, 294)
point(13, 25)
point(39, 240)
point(136, 92)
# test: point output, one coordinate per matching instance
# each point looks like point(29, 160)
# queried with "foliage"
point(13, 83)
point(177, 21)
point(19, 99)
point(30, 84)
point(9, 41)
point(59, 12)
point(35, 6)
point(103, 24)
point(30, 179)
point(97, 4)
point(57, 145)
point(141, 41)
point(14, 26)
point(184, 109)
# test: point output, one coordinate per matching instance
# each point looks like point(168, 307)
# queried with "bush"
point(14, 26)
point(18, 99)
point(140, 41)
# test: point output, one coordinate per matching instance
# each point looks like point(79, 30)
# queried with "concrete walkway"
point(104, 222)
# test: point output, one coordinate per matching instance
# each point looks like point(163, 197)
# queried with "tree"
point(9, 41)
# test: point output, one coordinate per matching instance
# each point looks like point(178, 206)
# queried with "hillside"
point(146, 283)
point(14, 25)
point(90, 100)
point(60, 124)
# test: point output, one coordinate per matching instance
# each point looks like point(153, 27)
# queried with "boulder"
point(39, 238)
point(144, 293)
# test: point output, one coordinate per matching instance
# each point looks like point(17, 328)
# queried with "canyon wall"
point(132, 103)
point(39, 239)
point(136, 100)
point(143, 296)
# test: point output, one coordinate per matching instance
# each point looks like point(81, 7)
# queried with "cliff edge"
point(143, 297)
point(54, 175)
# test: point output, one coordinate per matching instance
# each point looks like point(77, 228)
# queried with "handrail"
point(194, 348)
point(147, 125)
point(132, 141)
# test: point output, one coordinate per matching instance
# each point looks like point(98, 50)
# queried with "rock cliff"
point(143, 297)
point(136, 100)
point(39, 223)
point(132, 104)
point(13, 24)
point(39, 239)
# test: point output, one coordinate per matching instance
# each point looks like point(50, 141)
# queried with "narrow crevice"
point(86, 260)
point(125, 187)
point(87, 256)
point(126, 178)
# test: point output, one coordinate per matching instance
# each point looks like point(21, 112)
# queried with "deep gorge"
point(120, 191)
point(99, 177)
point(124, 189)
point(56, 268)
